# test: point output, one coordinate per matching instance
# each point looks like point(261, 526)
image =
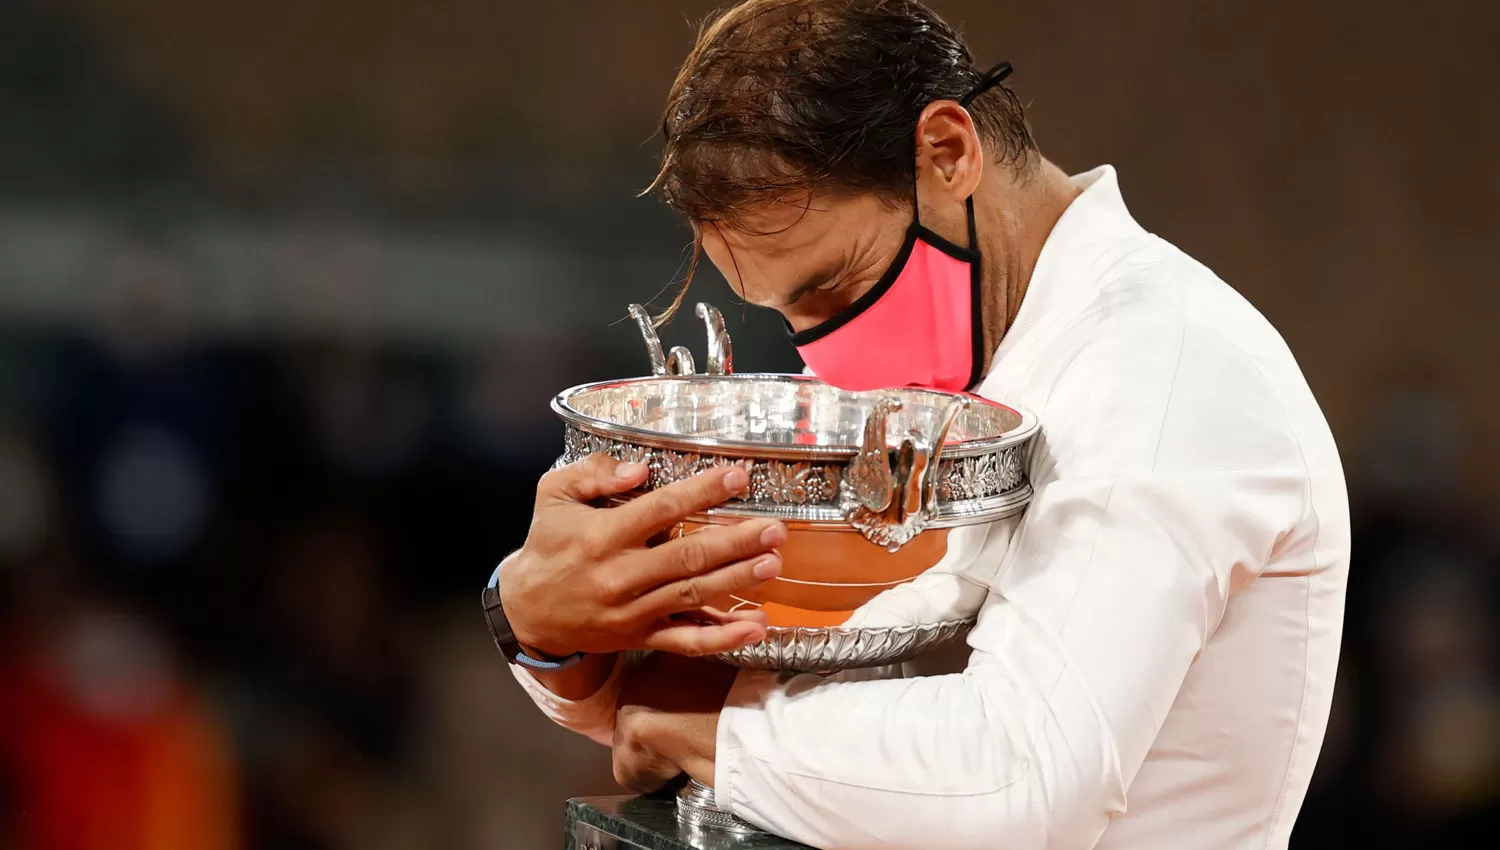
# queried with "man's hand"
point(586, 580)
point(668, 721)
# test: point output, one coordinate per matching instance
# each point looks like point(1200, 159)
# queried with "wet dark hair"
point(779, 97)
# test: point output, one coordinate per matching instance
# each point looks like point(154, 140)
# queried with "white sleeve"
point(1167, 474)
point(593, 716)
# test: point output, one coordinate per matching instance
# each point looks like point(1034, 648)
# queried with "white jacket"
point(1158, 633)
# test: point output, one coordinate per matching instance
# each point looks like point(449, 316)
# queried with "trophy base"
point(696, 808)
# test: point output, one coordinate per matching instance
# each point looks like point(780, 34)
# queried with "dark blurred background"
point(285, 288)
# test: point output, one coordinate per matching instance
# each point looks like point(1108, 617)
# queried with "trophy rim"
point(561, 405)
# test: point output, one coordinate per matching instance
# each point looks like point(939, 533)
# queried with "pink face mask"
point(918, 327)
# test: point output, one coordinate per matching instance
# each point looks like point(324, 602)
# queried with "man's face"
point(809, 257)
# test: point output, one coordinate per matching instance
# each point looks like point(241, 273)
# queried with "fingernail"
point(767, 568)
point(773, 536)
point(629, 470)
point(736, 479)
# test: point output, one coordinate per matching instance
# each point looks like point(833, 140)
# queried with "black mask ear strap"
point(993, 77)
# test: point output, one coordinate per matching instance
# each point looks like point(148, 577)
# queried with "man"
point(1158, 634)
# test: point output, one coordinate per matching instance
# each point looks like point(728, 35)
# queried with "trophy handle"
point(653, 342)
point(720, 352)
point(679, 360)
point(869, 477)
point(921, 485)
point(891, 500)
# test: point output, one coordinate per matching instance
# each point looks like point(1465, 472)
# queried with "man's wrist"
point(538, 648)
point(512, 639)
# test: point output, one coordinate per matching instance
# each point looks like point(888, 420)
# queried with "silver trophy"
point(868, 484)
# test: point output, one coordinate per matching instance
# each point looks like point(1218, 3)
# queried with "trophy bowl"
point(868, 484)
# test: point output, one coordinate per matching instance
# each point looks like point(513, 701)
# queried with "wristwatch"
point(505, 637)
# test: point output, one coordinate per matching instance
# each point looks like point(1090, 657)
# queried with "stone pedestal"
point(650, 823)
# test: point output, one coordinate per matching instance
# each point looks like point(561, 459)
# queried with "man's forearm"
point(970, 760)
point(582, 698)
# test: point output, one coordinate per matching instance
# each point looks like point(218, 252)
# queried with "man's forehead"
point(783, 226)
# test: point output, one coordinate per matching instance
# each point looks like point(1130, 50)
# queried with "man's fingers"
point(692, 593)
point(691, 639)
point(643, 773)
point(637, 767)
point(703, 550)
point(661, 509)
point(594, 477)
point(742, 615)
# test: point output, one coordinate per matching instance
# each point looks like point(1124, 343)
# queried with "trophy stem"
point(696, 808)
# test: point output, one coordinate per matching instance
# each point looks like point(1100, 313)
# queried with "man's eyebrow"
point(810, 282)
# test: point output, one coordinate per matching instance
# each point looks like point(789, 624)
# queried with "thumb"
point(694, 640)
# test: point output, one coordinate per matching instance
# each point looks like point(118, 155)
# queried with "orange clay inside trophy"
point(828, 573)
